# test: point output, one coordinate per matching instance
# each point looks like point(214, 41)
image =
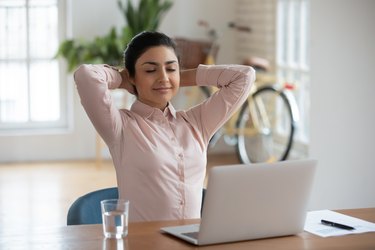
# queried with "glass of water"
point(115, 214)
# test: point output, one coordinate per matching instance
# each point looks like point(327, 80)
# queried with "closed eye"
point(150, 70)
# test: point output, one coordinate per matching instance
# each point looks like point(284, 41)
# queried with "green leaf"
point(109, 48)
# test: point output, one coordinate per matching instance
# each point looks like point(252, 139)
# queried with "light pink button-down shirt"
point(160, 157)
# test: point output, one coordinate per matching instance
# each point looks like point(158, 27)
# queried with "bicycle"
point(263, 129)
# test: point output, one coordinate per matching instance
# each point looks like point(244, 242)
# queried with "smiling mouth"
point(162, 89)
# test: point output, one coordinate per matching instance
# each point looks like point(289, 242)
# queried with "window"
point(31, 96)
point(293, 57)
point(280, 34)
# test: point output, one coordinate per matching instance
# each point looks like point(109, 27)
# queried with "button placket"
point(181, 174)
point(180, 157)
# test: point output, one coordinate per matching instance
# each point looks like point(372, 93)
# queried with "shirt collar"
point(147, 111)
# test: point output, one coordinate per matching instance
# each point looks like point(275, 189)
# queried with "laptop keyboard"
point(193, 235)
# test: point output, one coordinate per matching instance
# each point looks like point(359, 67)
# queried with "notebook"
point(245, 202)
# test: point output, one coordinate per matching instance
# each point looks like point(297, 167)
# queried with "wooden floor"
point(39, 194)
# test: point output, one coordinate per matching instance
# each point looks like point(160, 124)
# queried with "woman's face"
point(157, 76)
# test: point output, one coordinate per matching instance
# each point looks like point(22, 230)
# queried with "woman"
point(159, 153)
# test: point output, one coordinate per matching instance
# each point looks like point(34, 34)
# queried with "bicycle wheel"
point(265, 127)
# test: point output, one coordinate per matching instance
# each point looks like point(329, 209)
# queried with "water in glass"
point(115, 224)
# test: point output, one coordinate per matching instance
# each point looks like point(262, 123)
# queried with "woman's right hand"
point(126, 83)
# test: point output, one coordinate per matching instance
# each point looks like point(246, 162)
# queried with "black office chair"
point(86, 209)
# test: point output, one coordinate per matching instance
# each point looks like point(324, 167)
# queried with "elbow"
point(250, 74)
point(247, 75)
point(81, 73)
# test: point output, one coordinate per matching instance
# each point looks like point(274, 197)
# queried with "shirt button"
point(182, 202)
point(181, 155)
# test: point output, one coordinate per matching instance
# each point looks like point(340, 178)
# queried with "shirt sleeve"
point(93, 84)
point(234, 83)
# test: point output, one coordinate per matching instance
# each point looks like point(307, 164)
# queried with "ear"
point(131, 79)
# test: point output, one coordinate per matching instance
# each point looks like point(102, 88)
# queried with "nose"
point(163, 76)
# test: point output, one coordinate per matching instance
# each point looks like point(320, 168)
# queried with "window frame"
point(295, 67)
point(64, 123)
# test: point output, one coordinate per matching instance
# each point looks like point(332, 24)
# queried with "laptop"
point(246, 202)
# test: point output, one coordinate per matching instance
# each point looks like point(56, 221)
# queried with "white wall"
point(182, 21)
point(342, 102)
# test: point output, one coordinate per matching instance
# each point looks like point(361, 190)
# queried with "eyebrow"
point(156, 64)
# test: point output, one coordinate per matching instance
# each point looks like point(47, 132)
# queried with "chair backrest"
point(86, 209)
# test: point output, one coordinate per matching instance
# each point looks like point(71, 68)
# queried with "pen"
point(335, 224)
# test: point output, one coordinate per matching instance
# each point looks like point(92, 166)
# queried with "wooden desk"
point(147, 236)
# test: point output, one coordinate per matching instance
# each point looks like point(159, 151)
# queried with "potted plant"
point(109, 48)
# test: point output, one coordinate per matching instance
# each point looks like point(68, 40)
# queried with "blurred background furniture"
point(194, 52)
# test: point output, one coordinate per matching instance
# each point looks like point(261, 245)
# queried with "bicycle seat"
point(257, 63)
